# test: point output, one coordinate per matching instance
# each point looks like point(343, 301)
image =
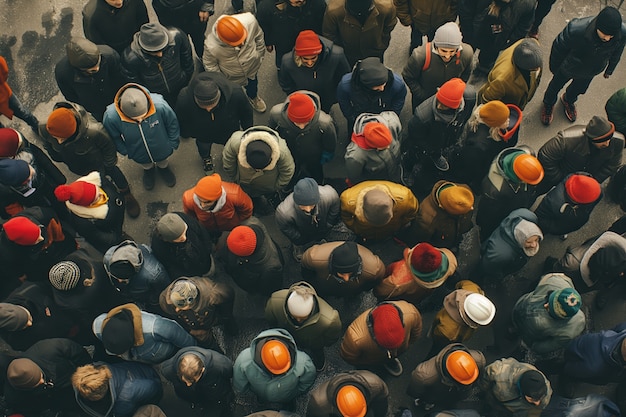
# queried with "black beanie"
point(358, 7)
point(533, 384)
point(607, 264)
point(118, 334)
point(345, 258)
point(609, 21)
point(258, 154)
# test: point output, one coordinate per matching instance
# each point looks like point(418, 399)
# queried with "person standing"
point(10, 105)
point(424, 17)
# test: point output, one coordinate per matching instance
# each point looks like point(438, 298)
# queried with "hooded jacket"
point(240, 63)
point(539, 331)
point(322, 400)
point(359, 346)
point(249, 373)
point(615, 110)
point(232, 113)
point(152, 140)
point(89, 149)
point(365, 163)
point(322, 79)
point(256, 182)
point(321, 328)
point(404, 209)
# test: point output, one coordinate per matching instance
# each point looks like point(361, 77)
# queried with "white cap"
point(479, 308)
point(300, 305)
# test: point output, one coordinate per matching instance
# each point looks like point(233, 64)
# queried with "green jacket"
point(426, 15)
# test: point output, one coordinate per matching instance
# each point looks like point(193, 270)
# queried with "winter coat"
point(423, 83)
point(151, 277)
point(156, 338)
point(92, 91)
point(322, 400)
point(431, 382)
point(302, 228)
point(249, 373)
point(104, 24)
point(404, 209)
point(539, 331)
point(359, 346)
point(256, 182)
point(596, 357)
point(321, 328)
point(426, 16)
point(89, 149)
point(189, 258)
point(438, 227)
point(213, 388)
point(237, 207)
point(558, 214)
point(237, 64)
point(401, 283)
point(261, 272)
point(360, 40)
point(213, 303)
point(308, 145)
point(322, 79)
point(571, 151)
point(152, 140)
point(58, 359)
point(365, 163)
point(507, 83)
point(5, 89)
point(315, 269)
point(592, 405)
point(616, 110)
point(232, 113)
point(500, 381)
point(578, 52)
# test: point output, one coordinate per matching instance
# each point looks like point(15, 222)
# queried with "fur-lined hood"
point(265, 134)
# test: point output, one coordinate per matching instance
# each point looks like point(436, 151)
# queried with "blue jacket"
point(131, 386)
point(152, 140)
point(593, 405)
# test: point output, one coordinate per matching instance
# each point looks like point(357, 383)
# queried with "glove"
point(326, 157)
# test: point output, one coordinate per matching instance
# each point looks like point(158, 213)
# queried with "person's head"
point(14, 318)
point(301, 303)
point(23, 232)
point(275, 356)
point(583, 189)
point(563, 303)
point(125, 261)
point(208, 191)
point(118, 333)
point(359, 8)
point(428, 264)
point(115, 3)
point(183, 294)
point(478, 309)
point(92, 381)
point(345, 262)
point(297, 3)
point(351, 401)
point(377, 207)
point(450, 95)
point(447, 41)
point(62, 124)
point(79, 193)
point(461, 366)
point(300, 109)
point(522, 167)
point(230, 30)
point(494, 114)
point(134, 103)
point(387, 326)
point(24, 374)
point(600, 131)
point(377, 135)
point(306, 194)
point(206, 93)
point(258, 152)
point(153, 38)
point(307, 49)
point(14, 172)
point(244, 240)
point(83, 55)
point(172, 228)
point(372, 74)
point(528, 235)
point(68, 273)
point(527, 55)
point(455, 199)
point(608, 23)
point(190, 368)
point(608, 264)
point(10, 142)
point(533, 387)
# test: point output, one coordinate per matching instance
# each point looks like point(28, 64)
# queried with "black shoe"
point(168, 176)
point(393, 366)
point(131, 203)
point(149, 178)
point(207, 165)
point(441, 163)
point(319, 359)
point(406, 175)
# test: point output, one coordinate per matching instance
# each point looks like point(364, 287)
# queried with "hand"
point(607, 75)
point(269, 48)
point(204, 16)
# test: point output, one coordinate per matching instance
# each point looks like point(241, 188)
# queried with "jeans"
point(577, 87)
point(252, 89)
point(23, 113)
point(161, 164)
point(204, 148)
point(542, 10)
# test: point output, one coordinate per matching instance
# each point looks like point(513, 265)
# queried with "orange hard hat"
point(528, 169)
point(230, 31)
point(351, 401)
point(276, 357)
point(462, 367)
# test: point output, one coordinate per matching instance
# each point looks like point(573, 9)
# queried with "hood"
point(151, 108)
point(510, 222)
point(125, 251)
point(316, 101)
point(281, 334)
point(327, 49)
point(605, 239)
point(265, 134)
point(515, 119)
point(507, 151)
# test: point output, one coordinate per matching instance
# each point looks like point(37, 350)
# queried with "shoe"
point(319, 360)
point(569, 108)
point(258, 104)
point(393, 366)
point(406, 176)
point(168, 176)
point(297, 253)
point(149, 178)
point(534, 33)
point(563, 237)
point(207, 165)
point(546, 114)
point(441, 163)
point(131, 203)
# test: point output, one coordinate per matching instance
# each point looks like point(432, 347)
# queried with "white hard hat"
point(300, 305)
point(479, 308)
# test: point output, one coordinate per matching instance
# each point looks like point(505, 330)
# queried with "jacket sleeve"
point(343, 97)
point(169, 331)
point(610, 166)
point(330, 28)
point(107, 147)
point(259, 40)
point(230, 155)
point(243, 205)
point(615, 109)
point(307, 379)
point(561, 47)
point(240, 381)
point(186, 54)
point(333, 212)
point(264, 17)
point(111, 127)
point(54, 173)
point(549, 155)
point(411, 75)
point(403, 12)
point(244, 109)
point(285, 165)
point(399, 95)
point(173, 128)
point(354, 169)
point(349, 350)
point(209, 61)
point(467, 13)
point(616, 55)
point(493, 90)
point(524, 22)
point(285, 80)
point(329, 133)
point(127, 67)
point(66, 86)
point(74, 352)
point(390, 22)
point(287, 225)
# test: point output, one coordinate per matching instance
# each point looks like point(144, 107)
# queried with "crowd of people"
point(97, 321)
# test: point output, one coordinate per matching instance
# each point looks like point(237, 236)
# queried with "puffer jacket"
point(321, 328)
point(365, 163)
point(249, 373)
point(90, 148)
point(315, 268)
point(426, 15)
point(578, 52)
point(359, 346)
point(322, 400)
point(152, 140)
point(614, 107)
point(322, 79)
point(166, 75)
point(451, 323)
point(539, 331)
point(404, 209)
point(301, 228)
point(256, 182)
point(131, 386)
point(237, 64)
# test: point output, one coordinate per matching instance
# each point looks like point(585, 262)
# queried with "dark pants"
point(204, 148)
point(542, 10)
point(416, 37)
point(186, 19)
point(577, 87)
point(23, 113)
point(252, 89)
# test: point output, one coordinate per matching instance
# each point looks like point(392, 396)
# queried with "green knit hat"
point(507, 165)
point(565, 303)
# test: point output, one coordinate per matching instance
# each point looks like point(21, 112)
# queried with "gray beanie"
point(12, 317)
point(377, 207)
point(306, 192)
point(134, 102)
point(82, 53)
point(448, 36)
point(527, 55)
point(170, 227)
point(64, 275)
point(153, 37)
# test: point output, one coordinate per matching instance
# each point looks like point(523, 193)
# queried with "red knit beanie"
point(22, 231)
point(61, 123)
point(450, 94)
point(80, 193)
point(582, 189)
point(387, 326)
point(242, 241)
point(9, 142)
point(377, 135)
point(425, 258)
point(308, 43)
point(209, 188)
point(301, 108)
